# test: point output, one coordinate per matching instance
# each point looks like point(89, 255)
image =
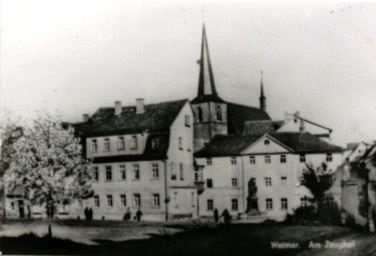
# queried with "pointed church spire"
point(206, 85)
point(262, 96)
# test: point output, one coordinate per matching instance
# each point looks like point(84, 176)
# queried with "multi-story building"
point(261, 174)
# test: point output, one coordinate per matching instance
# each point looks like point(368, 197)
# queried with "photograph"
point(185, 127)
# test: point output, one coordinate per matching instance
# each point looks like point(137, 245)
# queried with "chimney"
point(140, 106)
point(117, 108)
point(85, 117)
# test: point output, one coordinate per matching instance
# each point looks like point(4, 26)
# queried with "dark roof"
point(305, 142)
point(207, 98)
point(149, 153)
point(231, 145)
point(352, 146)
point(226, 145)
point(155, 118)
point(258, 127)
point(277, 124)
point(238, 114)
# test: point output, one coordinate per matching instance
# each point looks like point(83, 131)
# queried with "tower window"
point(219, 113)
point(199, 113)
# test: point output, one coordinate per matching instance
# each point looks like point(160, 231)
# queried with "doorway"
point(21, 209)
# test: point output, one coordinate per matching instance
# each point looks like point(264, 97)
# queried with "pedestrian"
point(216, 215)
point(90, 213)
point(86, 212)
point(138, 214)
point(127, 215)
point(226, 216)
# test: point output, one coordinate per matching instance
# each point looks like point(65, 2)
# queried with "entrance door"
point(21, 209)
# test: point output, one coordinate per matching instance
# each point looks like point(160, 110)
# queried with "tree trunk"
point(49, 229)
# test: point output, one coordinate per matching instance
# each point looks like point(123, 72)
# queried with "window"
point(304, 201)
point(233, 160)
point(155, 171)
point(283, 159)
point(329, 157)
point(198, 176)
point(106, 144)
point(134, 142)
point(173, 171)
point(136, 200)
point(180, 143)
point(96, 173)
point(219, 113)
point(209, 161)
point(94, 146)
point(267, 159)
point(302, 158)
point(120, 143)
point(12, 206)
point(187, 121)
point(123, 200)
point(268, 181)
point(234, 182)
point(252, 160)
point(266, 142)
point(136, 172)
point(193, 199)
point(181, 171)
point(154, 143)
point(284, 204)
point(209, 183)
point(234, 204)
point(109, 201)
point(123, 172)
point(156, 201)
point(283, 180)
point(108, 173)
point(199, 113)
point(210, 204)
point(269, 204)
point(96, 201)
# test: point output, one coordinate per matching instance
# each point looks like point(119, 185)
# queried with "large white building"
point(184, 158)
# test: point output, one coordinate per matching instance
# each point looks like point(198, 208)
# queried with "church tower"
point(262, 97)
point(209, 109)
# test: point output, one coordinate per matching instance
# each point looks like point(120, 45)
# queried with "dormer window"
point(106, 144)
point(134, 142)
point(219, 113)
point(120, 144)
point(155, 143)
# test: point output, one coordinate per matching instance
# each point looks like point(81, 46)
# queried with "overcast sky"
point(76, 56)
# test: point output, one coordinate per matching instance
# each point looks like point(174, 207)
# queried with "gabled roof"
point(226, 145)
point(159, 153)
point(155, 118)
point(238, 114)
point(258, 127)
point(305, 143)
point(232, 145)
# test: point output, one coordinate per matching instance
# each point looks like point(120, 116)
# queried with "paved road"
point(357, 245)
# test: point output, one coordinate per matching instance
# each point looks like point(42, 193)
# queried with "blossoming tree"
point(49, 166)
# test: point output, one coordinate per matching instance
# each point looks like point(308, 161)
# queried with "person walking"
point(216, 215)
point(226, 216)
point(138, 215)
point(127, 215)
